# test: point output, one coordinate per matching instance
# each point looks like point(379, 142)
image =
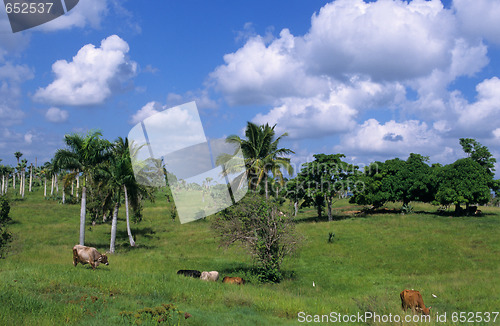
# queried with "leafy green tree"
point(479, 153)
point(84, 153)
point(323, 180)
point(256, 224)
point(482, 155)
point(4, 219)
point(262, 154)
point(463, 182)
point(395, 180)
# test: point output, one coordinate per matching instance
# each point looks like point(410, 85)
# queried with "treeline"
point(92, 171)
point(467, 181)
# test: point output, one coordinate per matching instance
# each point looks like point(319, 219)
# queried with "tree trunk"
point(129, 232)
point(45, 186)
point(63, 196)
point(57, 184)
point(83, 211)
point(72, 187)
point(77, 184)
point(31, 177)
point(14, 180)
point(296, 206)
point(52, 186)
point(457, 208)
point(113, 227)
point(23, 183)
point(329, 206)
point(266, 187)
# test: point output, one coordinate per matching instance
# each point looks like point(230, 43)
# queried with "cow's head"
point(426, 311)
point(103, 259)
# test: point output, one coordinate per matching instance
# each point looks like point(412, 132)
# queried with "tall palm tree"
point(3, 172)
point(122, 177)
point(18, 156)
point(22, 169)
point(262, 155)
point(84, 153)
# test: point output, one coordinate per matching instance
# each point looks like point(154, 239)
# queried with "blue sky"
point(373, 80)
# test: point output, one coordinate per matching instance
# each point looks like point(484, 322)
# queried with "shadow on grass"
point(251, 273)
point(335, 217)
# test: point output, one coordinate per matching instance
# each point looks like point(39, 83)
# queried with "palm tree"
point(122, 177)
point(22, 168)
point(262, 155)
point(84, 153)
point(18, 156)
point(3, 172)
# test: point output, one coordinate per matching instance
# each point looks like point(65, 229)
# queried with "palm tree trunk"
point(14, 180)
point(265, 184)
point(63, 196)
point(296, 206)
point(129, 232)
point(57, 184)
point(82, 215)
point(329, 206)
point(45, 186)
point(77, 184)
point(31, 177)
point(113, 227)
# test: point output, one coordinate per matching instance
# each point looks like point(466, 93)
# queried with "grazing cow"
point(233, 280)
point(413, 300)
point(189, 272)
point(210, 276)
point(88, 255)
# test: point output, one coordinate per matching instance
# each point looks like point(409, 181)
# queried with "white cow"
point(210, 276)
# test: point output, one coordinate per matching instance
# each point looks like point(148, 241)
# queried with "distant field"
point(371, 259)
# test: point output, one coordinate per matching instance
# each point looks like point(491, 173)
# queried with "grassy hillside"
point(371, 259)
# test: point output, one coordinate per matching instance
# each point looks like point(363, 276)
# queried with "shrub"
point(256, 224)
point(4, 219)
point(165, 314)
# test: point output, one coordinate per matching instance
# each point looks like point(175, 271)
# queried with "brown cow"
point(88, 255)
point(233, 280)
point(413, 300)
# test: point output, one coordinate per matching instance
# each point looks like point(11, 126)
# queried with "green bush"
point(165, 314)
point(4, 219)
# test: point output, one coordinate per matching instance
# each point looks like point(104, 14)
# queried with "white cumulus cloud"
point(479, 18)
point(85, 13)
point(56, 115)
point(92, 76)
point(391, 139)
point(146, 111)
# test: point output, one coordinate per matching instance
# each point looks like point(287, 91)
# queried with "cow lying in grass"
point(210, 276)
point(233, 280)
point(88, 255)
point(413, 300)
point(189, 272)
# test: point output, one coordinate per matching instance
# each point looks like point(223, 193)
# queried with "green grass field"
point(371, 260)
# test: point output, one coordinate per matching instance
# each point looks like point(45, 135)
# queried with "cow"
point(88, 255)
point(189, 272)
point(413, 300)
point(233, 280)
point(210, 276)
